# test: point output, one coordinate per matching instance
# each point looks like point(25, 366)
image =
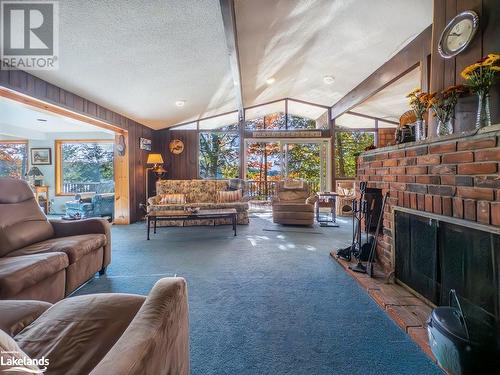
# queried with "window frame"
point(334, 151)
point(200, 132)
point(20, 141)
point(58, 143)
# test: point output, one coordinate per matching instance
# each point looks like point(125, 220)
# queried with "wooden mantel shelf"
point(493, 129)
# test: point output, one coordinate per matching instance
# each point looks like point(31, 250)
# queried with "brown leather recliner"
point(101, 334)
point(293, 203)
point(41, 259)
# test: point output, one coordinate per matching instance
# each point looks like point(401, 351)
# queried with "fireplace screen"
point(435, 254)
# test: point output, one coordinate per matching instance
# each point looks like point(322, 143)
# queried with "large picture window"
point(219, 155)
point(348, 145)
point(84, 166)
point(13, 158)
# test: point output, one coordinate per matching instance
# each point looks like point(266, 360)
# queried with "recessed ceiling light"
point(180, 103)
point(41, 120)
point(328, 80)
point(270, 81)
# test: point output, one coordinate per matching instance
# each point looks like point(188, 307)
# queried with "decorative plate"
point(176, 146)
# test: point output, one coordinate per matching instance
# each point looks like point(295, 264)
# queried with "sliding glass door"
point(271, 160)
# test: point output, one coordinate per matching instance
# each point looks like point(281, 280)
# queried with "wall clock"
point(176, 146)
point(458, 34)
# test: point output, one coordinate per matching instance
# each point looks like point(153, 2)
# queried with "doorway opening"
point(66, 157)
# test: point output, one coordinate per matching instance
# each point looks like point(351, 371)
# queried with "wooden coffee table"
point(154, 216)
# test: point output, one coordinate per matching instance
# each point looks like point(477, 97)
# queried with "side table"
point(327, 199)
point(42, 196)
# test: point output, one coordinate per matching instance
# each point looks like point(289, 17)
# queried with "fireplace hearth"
point(435, 253)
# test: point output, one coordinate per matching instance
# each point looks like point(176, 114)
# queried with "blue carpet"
point(265, 302)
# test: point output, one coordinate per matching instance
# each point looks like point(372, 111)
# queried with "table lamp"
point(36, 176)
point(156, 160)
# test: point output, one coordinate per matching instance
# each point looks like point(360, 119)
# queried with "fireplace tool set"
point(363, 251)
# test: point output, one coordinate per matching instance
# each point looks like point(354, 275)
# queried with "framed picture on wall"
point(145, 144)
point(41, 156)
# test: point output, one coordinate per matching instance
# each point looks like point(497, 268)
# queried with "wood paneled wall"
point(185, 165)
point(30, 85)
point(446, 72)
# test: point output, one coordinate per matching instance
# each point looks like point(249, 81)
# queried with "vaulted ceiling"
point(139, 58)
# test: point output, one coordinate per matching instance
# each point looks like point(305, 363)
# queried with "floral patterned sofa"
point(199, 193)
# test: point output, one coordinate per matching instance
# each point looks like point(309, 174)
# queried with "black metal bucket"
point(462, 345)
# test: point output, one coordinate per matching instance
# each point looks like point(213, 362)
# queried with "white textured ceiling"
point(139, 57)
point(298, 42)
point(21, 121)
point(391, 102)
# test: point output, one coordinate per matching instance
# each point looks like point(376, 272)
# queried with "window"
point(306, 116)
point(219, 155)
point(13, 158)
point(348, 145)
point(84, 166)
point(266, 117)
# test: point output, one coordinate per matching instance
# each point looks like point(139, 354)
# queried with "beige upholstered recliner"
point(293, 203)
point(101, 334)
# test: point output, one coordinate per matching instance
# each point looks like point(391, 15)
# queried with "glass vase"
point(444, 128)
point(483, 117)
point(419, 130)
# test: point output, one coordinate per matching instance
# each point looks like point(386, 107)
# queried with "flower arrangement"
point(443, 106)
point(418, 102)
point(479, 79)
point(479, 76)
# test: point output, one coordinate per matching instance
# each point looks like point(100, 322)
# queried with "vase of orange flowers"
point(479, 79)
point(443, 106)
point(418, 101)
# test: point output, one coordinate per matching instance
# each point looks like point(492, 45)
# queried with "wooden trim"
point(58, 168)
point(121, 176)
point(400, 64)
point(18, 141)
point(58, 110)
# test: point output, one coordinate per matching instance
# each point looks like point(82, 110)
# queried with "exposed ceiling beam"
point(371, 117)
point(229, 21)
point(412, 55)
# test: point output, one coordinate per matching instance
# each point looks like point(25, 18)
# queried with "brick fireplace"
point(455, 176)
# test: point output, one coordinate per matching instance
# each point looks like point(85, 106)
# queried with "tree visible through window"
point(348, 145)
point(86, 167)
point(13, 159)
point(219, 155)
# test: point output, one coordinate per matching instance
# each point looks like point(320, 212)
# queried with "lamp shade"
point(154, 159)
point(35, 172)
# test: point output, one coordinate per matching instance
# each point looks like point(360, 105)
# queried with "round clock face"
point(458, 34)
point(176, 146)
